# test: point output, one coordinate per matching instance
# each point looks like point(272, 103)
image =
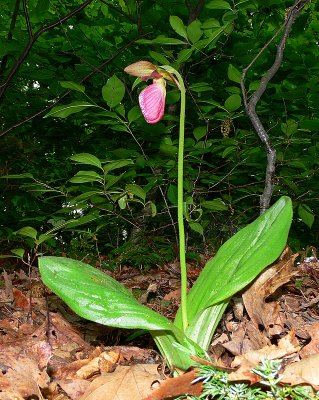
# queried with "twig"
point(27, 19)
point(33, 39)
point(250, 105)
point(15, 13)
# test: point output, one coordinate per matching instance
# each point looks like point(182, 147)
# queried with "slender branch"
point(27, 19)
point(31, 42)
point(250, 105)
point(15, 13)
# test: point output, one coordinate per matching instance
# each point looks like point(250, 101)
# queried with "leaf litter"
point(48, 352)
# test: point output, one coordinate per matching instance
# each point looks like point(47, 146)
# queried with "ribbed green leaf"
point(94, 295)
point(238, 262)
point(218, 5)
point(306, 214)
point(194, 31)
point(110, 166)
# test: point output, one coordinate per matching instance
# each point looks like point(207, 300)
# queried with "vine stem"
point(180, 196)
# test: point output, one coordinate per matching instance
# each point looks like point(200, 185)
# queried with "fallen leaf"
point(313, 346)
point(246, 338)
point(181, 385)
point(21, 375)
point(103, 363)
point(267, 313)
point(74, 388)
point(125, 383)
point(21, 300)
point(174, 294)
point(304, 371)
point(286, 346)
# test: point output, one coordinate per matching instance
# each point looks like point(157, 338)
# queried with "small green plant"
point(97, 297)
point(216, 385)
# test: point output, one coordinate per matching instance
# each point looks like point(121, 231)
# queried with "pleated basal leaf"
point(94, 295)
point(240, 259)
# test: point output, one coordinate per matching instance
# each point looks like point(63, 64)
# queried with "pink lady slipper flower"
point(152, 101)
point(152, 98)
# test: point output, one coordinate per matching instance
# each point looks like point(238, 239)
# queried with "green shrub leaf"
point(86, 158)
point(68, 109)
point(113, 91)
point(27, 231)
point(306, 214)
point(72, 86)
point(233, 74)
point(178, 26)
point(233, 102)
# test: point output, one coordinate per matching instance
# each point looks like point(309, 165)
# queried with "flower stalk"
point(152, 103)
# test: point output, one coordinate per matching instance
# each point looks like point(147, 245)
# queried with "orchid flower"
point(152, 98)
point(152, 101)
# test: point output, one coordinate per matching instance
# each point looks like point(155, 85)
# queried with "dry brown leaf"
point(22, 376)
point(313, 346)
point(245, 339)
point(65, 332)
point(178, 386)
point(304, 371)
point(104, 363)
point(267, 313)
point(174, 294)
point(21, 301)
point(125, 383)
point(74, 388)
point(286, 346)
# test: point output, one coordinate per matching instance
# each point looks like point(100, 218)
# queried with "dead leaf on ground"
point(22, 376)
point(21, 301)
point(125, 383)
point(74, 388)
point(313, 346)
point(305, 371)
point(287, 346)
point(267, 313)
point(247, 337)
point(173, 387)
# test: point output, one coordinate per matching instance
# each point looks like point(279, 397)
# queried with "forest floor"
point(48, 352)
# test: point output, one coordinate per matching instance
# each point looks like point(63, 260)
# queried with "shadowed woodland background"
point(55, 54)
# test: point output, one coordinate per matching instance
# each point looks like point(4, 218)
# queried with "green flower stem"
point(180, 197)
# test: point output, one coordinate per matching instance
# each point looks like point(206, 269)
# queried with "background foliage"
point(96, 178)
